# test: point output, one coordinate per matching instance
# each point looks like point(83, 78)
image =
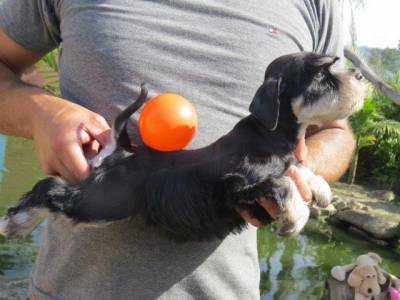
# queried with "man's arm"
point(59, 128)
point(329, 150)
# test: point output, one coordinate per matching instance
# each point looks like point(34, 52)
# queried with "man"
point(213, 53)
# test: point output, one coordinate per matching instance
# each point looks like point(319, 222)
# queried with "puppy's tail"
point(120, 138)
point(119, 127)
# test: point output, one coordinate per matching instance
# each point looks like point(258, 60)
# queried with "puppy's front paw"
point(21, 223)
point(295, 212)
point(321, 190)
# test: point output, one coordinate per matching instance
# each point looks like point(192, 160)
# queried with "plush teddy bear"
point(366, 281)
point(366, 276)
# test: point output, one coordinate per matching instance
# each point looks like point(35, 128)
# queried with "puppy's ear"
point(322, 61)
point(265, 104)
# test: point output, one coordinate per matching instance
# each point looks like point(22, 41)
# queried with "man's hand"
point(65, 136)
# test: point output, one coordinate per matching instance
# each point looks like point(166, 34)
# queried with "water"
point(293, 268)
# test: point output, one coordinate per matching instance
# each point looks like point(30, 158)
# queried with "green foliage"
point(377, 129)
point(384, 61)
point(48, 68)
point(51, 59)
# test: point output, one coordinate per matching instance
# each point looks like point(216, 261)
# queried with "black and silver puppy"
point(196, 194)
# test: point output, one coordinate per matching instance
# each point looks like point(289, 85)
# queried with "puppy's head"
point(305, 87)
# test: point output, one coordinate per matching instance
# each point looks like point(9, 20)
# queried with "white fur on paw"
point(3, 226)
point(320, 189)
point(23, 223)
point(296, 214)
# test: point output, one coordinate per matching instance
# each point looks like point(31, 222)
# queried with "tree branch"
point(371, 76)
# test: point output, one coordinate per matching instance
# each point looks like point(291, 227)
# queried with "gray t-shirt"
point(213, 52)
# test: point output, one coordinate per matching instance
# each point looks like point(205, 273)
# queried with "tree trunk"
point(354, 164)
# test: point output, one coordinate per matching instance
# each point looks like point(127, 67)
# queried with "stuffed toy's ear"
point(381, 278)
point(375, 257)
point(265, 104)
point(355, 278)
point(339, 272)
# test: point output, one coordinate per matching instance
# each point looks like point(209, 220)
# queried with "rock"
point(378, 226)
point(396, 246)
point(341, 205)
point(353, 204)
point(318, 212)
point(315, 212)
point(382, 195)
point(322, 213)
point(366, 208)
point(16, 289)
point(367, 236)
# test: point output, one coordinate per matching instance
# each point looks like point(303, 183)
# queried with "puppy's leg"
point(294, 212)
point(243, 196)
point(33, 207)
point(21, 223)
point(320, 189)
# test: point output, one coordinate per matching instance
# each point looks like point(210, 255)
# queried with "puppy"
point(196, 194)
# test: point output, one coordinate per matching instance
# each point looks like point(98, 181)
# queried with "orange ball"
point(167, 122)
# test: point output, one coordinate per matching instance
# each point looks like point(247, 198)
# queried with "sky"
point(378, 23)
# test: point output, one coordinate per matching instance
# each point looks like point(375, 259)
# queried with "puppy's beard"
point(333, 106)
point(295, 214)
point(351, 92)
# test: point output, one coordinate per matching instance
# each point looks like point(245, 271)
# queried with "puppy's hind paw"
point(22, 223)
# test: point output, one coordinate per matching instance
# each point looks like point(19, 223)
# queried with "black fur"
point(196, 194)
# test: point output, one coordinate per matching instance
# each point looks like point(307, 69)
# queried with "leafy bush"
point(377, 131)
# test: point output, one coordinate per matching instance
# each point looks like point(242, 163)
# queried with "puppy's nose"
point(359, 76)
point(369, 291)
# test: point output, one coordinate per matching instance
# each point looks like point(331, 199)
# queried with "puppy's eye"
point(319, 76)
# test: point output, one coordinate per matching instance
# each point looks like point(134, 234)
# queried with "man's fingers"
point(302, 186)
point(301, 150)
point(75, 162)
point(91, 149)
point(99, 130)
point(270, 206)
point(84, 136)
point(57, 168)
point(64, 172)
point(245, 214)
